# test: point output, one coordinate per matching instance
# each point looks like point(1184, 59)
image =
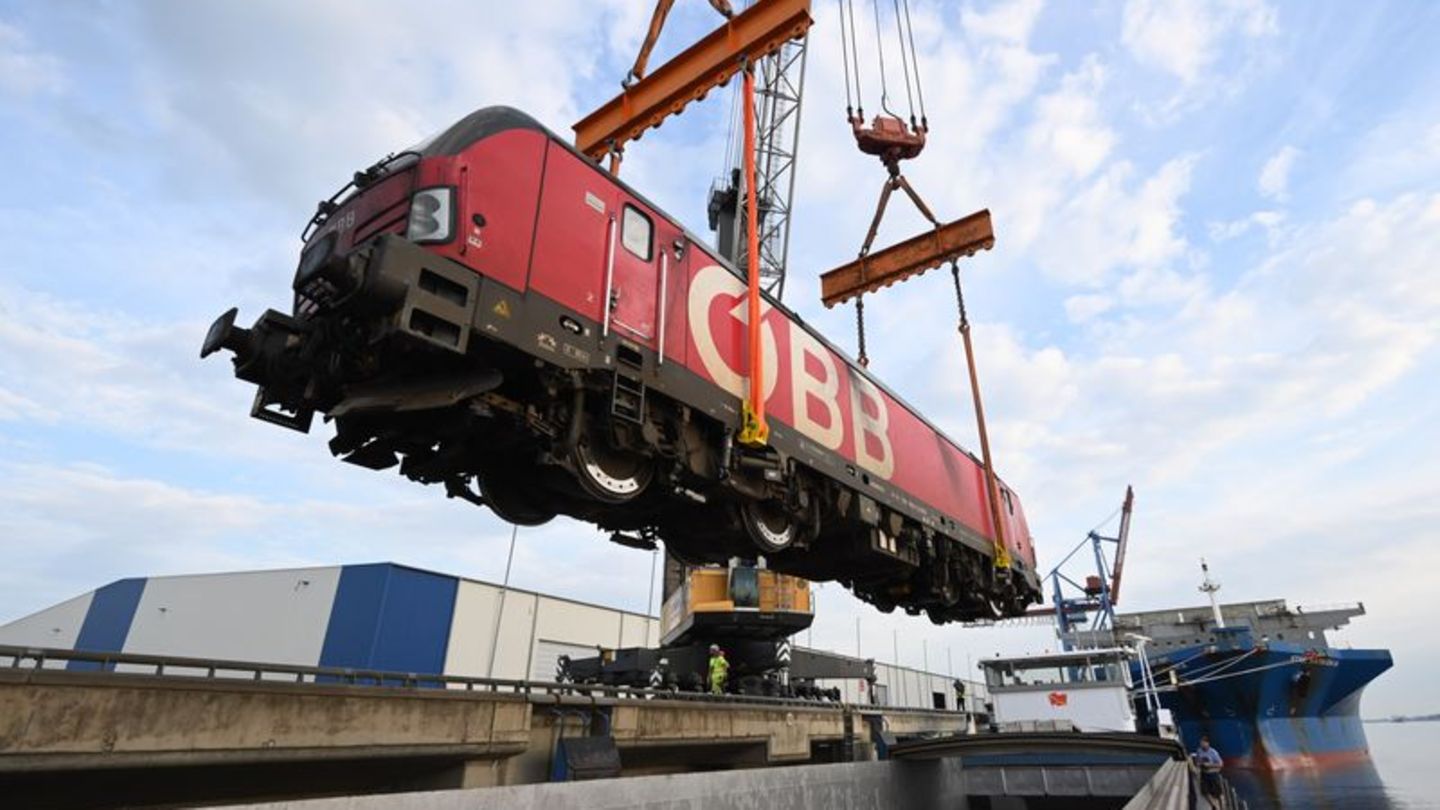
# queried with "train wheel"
point(768, 526)
point(510, 500)
point(611, 476)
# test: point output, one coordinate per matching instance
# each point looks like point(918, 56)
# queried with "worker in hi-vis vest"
point(719, 670)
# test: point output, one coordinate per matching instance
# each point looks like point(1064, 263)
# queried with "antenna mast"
point(1210, 588)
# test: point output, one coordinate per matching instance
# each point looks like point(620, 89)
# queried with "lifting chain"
point(863, 359)
point(959, 295)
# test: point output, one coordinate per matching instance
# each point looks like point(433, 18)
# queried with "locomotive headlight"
point(432, 215)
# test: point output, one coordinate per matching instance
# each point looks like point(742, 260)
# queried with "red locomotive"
point(492, 312)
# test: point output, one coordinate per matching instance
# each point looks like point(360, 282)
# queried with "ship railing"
point(1229, 798)
point(1333, 607)
point(1179, 783)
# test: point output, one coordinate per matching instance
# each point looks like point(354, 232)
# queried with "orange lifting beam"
point(914, 256)
point(709, 63)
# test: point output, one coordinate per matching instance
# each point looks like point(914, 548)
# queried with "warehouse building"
point(381, 616)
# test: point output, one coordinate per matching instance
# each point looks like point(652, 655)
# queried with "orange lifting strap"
point(754, 431)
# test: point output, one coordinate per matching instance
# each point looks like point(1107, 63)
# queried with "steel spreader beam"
point(915, 255)
point(753, 34)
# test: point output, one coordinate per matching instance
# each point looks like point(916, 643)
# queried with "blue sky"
point(1215, 278)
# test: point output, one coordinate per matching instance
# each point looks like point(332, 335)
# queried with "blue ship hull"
point(1271, 706)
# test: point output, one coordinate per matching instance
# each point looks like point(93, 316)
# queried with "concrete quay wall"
point(155, 739)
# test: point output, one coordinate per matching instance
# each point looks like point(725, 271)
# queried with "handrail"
point(663, 304)
point(607, 304)
point(35, 659)
point(1330, 607)
point(1229, 797)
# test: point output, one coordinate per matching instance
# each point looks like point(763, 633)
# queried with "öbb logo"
point(830, 403)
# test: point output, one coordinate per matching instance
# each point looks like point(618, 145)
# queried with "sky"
point(1214, 278)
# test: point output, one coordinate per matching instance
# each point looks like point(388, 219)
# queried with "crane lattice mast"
point(779, 88)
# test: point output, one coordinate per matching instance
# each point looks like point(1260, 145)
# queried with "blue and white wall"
point(380, 616)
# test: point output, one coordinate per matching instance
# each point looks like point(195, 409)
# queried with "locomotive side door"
point(675, 254)
point(634, 279)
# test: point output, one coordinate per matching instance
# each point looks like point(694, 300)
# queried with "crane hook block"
point(889, 139)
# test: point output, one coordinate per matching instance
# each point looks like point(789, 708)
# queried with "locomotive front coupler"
point(267, 354)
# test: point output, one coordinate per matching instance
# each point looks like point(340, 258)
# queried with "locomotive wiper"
point(359, 181)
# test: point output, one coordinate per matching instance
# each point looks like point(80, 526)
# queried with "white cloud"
point(1115, 222)
point(25, 70)
point(1006, 22)
point(342, 84)
point(1270, 221)
point(1400, 152)
point(14, 406)
point(1081, 308)
point(1274, 179)
point(1157, 286)
point(1183, 37)
point(110, 372)
point(1068, 125)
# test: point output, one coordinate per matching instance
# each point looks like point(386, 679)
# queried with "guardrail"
point(1331, 607)
point(139, 664)
point(1227, 799)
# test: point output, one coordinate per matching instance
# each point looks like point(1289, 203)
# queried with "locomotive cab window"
point(637, 233)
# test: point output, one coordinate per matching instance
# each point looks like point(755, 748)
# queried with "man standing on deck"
point(719, 670)
point(1209, 761)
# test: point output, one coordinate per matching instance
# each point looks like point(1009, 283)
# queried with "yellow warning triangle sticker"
point(502, 308)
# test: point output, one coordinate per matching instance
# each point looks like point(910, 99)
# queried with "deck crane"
point(1073, 598)
point(1100, 592)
